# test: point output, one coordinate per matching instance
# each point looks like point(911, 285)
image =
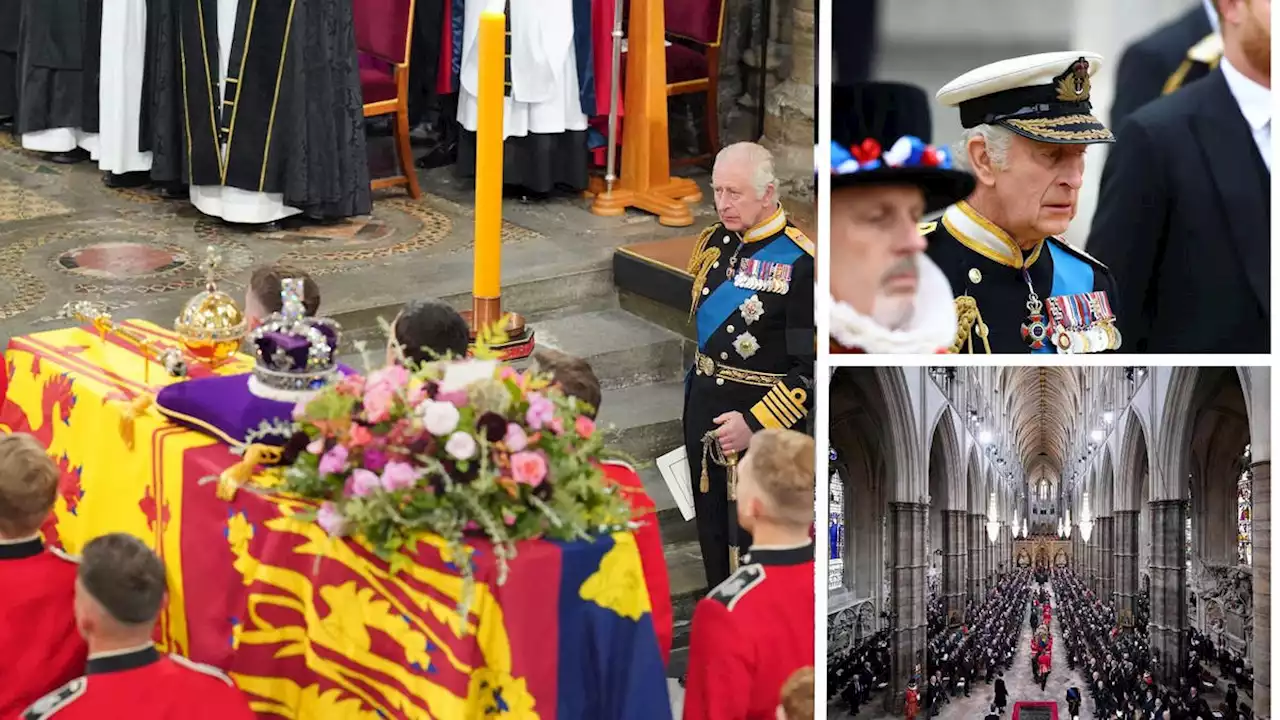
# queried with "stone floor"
point(1018, 679)
point(65, 236)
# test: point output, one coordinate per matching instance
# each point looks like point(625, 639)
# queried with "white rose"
point(440, 418)
point(461, 446)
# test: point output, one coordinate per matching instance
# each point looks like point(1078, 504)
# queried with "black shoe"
point(441, 156)
point(127, 180)
point(70, 157)
point(175, 191)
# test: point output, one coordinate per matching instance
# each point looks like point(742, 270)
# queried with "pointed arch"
point(1135, 462)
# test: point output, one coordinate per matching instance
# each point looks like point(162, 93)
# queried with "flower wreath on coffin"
point(296, 358)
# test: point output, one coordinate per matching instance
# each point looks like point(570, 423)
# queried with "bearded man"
point(1184, 212)
point(886, 295)
point(1022, 287)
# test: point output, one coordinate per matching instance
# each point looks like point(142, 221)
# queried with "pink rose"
point(364, 482)
point(334, 461)
point(457, 398)
point(508, 517)
point(516, 440)
point(584, 426)
point(359, 436)
point(399, 476)
point(471, 525)
point(529, 468)
point(378, 400)
point(375, 459)
point(352, 385)
point(393, 377)
point(439, 418)
point(541, 411)
point(556, 425)
point(331, 519)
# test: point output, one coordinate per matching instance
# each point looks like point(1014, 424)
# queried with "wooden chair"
point(384, 29)
point(695, 29)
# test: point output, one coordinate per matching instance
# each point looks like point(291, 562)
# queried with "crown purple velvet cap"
point(224, 407)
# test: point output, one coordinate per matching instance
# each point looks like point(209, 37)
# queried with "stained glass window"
point(1244, 512)
point(1188, 543)
point(835, 530)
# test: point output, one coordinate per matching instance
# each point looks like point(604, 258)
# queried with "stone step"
point(624, 350)
point(643, 421)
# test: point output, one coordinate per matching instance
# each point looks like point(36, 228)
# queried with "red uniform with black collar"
point(653, 560)
point(750, 634)
point(142, 684)
point(40, 647)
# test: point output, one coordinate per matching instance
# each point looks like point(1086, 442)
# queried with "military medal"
point(1034, 330)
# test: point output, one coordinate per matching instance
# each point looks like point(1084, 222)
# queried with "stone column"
point(909, 522)
point(1169, 586)
point(789, 128)
point(955, 557)
point(1262, 588)
point(977, 581)
point(1126, 551)
point(1106, 530)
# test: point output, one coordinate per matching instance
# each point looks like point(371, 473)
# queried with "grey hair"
point(758, 158)
point(997, 139)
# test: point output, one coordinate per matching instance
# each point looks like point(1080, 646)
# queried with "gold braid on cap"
point(969, 322)
point(700, 263)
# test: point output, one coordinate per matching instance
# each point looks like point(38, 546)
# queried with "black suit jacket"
point(1184, 222)
point(1147, 64)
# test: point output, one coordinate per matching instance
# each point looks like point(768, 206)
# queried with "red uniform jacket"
point(144, 685)
point(649, 541)
point(749, 635)
point(40, 647)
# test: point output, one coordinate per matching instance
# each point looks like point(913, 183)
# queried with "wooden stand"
point(646, 182)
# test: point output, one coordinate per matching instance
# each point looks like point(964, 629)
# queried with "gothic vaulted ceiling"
point(1041, 403)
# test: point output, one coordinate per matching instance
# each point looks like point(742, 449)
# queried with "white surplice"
point(229, 203)
point(123, 59)
point(544, 69)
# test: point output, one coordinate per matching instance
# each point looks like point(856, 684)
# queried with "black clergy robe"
point(10, 11)
point(59, 42)
point(981, 261)
point(162, 130)
point(290, 113)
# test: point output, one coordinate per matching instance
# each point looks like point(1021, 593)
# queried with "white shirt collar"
point(1254, 99)
point(1212, 12)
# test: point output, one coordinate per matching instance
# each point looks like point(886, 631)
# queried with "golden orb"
point(211, 324)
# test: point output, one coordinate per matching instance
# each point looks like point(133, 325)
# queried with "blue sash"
point(722, 303)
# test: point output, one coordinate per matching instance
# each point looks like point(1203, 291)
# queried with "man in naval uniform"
point(753, 304)
point(1171, 57)
point(120, 587)
point(1019, 286)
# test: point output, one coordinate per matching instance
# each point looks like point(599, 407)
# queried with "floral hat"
point(880, 136)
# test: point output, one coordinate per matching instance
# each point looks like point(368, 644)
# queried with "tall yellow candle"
point(488, 232)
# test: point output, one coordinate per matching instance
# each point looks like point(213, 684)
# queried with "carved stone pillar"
point(1169, 586)
point(1262, 588)
point(789, 129)
point(1106, 529)
point(1126, 552)
point(977, 582)
point(955, 556)
point(909, 526)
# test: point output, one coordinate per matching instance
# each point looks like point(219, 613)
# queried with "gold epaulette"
point(800, 239)
point(968, 322)
point(1206, 52)
point(700, 262)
